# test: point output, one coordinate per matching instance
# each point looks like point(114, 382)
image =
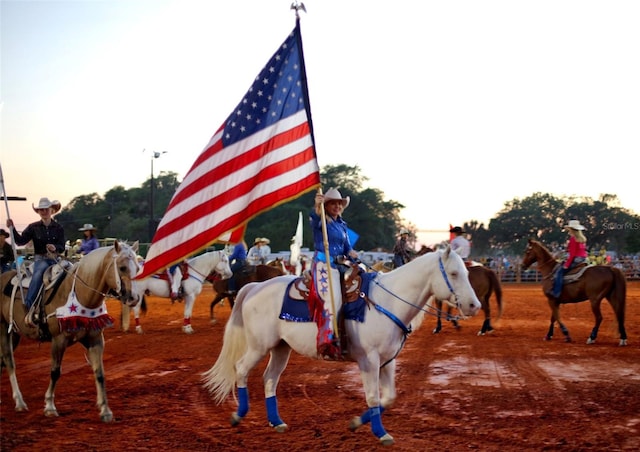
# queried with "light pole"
point(152, 222)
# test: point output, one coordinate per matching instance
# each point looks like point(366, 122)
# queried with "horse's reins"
point(105, 295)
point(551, 259)
point(204, 277)
point(431, 310)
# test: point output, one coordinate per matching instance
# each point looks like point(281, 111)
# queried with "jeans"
point(558, 281)
point(39, 267)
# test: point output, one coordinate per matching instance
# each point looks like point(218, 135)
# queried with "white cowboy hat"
point(44, 203)
point(403, 231)
point(88, 227)
point(333, 194)
point(265, 240)
point(575, 224)
point(257, 240)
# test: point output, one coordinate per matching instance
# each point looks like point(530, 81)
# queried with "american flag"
point(263, 155)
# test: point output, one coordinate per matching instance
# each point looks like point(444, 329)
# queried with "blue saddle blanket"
point(297, 310)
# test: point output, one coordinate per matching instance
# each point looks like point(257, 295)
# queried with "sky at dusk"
point(450, 108)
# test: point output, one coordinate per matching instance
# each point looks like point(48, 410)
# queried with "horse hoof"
point(436, 331)
point(355, 423)
point(622, 343)
point(480, 333)
point(188, 329)
point(214, 321)
point(139, 330)
point(591, 341)
point(235, 419)
point(21, 407)
point(280, 428)
point(107, 418)
point(51, 413)
point(547, 338)
point(386, 440)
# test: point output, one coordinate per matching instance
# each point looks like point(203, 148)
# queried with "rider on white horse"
point(339, 246)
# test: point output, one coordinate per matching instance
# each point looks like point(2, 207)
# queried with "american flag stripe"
point(262, 156)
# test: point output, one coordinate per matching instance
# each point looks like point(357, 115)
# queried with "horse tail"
point(497, 289)
point(220, 380)
point(618, 294)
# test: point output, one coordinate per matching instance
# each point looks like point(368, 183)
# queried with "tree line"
point(126, 214)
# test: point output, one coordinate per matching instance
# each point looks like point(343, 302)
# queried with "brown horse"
point(484, 282)
point(597, 282)
point(251, 273)
point(73, 310)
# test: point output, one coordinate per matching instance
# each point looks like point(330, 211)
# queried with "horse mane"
point(92, 262)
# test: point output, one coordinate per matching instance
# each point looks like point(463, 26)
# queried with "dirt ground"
point(456, 391)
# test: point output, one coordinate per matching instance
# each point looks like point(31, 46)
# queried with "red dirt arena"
point(508, 391)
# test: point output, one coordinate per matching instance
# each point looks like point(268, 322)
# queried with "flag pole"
point(325, 240)
point(6, 205)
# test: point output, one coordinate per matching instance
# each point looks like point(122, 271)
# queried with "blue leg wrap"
point(243, 402)
point(376, 422)
point(272, 411)
point(366, 416)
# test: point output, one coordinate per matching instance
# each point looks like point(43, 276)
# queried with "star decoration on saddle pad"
point(323, 280)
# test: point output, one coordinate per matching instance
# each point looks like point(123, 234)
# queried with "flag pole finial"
point(297, 6)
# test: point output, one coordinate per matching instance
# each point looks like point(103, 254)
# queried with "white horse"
point(199, 268)
point(395, 298)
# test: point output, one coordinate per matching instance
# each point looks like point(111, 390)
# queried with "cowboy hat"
point(574, 224)
point(44, 203)
point(265, 240)
point(88, 227)
point(4, 233)
point(403, 231)
point(456, 230)
point(334, 195)
point(257, 240)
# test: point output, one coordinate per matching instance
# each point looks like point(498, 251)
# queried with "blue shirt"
point(89, 245)
point(339, 244)
point(239, 253)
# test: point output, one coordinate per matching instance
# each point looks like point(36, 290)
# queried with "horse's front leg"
point(189, 301)
point(277, 363)
point(58, 347)
point(371, 379)
point(388, 397)
point(8, 343)
point(438, 327)
point(555, 317)
point(486, 325)
point(219, 297)
point(94, 344)
point(136, 316)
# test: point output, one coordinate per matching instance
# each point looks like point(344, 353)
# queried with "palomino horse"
point(597, 282)
point(393, 300)
point(198, 270)
point(74, 311)
point(257, 273)
point(484, 282)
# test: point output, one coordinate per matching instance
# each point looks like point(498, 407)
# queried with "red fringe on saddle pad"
point(77, 323)
point(316, 305)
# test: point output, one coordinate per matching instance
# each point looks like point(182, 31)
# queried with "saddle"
point(52, 277)
point(51, 274)
point(302, 302)
point(575, 273)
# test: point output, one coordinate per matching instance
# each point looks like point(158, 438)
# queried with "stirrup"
point(29, 320)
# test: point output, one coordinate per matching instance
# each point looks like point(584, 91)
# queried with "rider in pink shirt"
point(577, 253)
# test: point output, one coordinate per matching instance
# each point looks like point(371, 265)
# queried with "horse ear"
point(116, 246)
point(135, 245)
point(447, 251)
